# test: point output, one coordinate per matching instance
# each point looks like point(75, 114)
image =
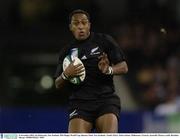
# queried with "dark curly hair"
point(78, 11)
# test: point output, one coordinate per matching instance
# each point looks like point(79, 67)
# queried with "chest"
point(88, 51)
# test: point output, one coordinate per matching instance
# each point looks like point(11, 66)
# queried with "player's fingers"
point(102, 60)
point(78, 65)
point(106, 61)
point(100, 64)
point(101, 67)
point(104, 55)
point(80, 71)
point(101, 56)
point(105, 69)
point(72, 63)
point(79, 68)
point(80, 74)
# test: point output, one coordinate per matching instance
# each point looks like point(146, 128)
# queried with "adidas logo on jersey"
point(83, 57)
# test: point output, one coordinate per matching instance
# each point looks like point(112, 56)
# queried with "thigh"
point(78, 125)
point(107, 123)
point(80, 121)
point(107, 119)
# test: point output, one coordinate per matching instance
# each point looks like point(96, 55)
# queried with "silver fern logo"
point(95, 51)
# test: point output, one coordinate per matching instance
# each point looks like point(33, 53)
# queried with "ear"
point(70, 27)
point(89, 25)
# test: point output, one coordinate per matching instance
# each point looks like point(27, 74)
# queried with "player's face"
point(80, 26)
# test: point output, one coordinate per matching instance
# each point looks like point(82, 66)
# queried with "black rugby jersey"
point(96, 84)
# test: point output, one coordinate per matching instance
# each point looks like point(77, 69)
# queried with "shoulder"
point(104, 37)
point(64, 50)
point(101, 35)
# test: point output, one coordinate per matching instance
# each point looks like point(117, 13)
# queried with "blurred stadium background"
point(32, 32)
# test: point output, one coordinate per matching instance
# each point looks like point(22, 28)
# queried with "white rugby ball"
point(67, 60)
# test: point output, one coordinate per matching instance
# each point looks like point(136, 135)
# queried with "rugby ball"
point(67, 60)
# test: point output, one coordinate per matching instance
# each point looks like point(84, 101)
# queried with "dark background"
point(32, 33)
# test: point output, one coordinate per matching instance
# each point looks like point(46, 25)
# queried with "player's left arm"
point(114, 60)
point(120, 68)
point(106, 68)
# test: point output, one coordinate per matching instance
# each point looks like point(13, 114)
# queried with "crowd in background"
point(153, 54)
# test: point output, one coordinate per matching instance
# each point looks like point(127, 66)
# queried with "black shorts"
point(90, 110)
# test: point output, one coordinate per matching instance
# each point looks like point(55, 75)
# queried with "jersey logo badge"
point(94, 51)
point(73, 113)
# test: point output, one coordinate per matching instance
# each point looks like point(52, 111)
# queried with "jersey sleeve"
point(115, 53)
point(59, 68)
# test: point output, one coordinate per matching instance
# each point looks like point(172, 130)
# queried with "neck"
point(89, 33)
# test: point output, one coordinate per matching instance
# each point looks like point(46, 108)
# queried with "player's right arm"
point(70, 72)
point(60, 82)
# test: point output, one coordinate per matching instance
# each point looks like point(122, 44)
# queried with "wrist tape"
point(64, 76)
point(110, 71)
